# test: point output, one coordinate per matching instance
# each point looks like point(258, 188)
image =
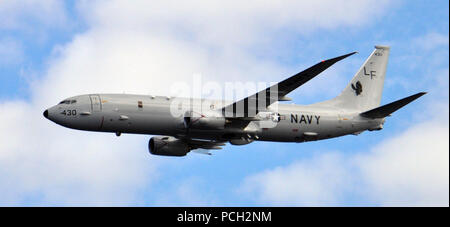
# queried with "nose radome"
point(46, 114)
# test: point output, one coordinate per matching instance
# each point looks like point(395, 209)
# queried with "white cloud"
point(11, 52)
point(431, 41)
point(138, 48)
point(411, 169)
point(25, 14)
point(41, 163)
point(313, 182)
point(228, 24)
point(188, 192)
point(424, 64)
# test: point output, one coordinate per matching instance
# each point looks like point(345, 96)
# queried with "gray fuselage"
point(138, 114)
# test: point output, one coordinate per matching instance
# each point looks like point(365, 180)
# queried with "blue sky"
point(50, 50)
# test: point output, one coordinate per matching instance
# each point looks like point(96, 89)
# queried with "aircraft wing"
point(261, 100)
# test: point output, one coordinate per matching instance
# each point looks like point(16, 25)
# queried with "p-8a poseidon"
point(210, 124)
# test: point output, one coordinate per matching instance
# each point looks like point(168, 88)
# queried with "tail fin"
point(384, 111)
point(365, 89)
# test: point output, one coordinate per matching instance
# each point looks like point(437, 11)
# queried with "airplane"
point(210, 124)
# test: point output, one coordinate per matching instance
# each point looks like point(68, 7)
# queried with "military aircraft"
point(209, 124)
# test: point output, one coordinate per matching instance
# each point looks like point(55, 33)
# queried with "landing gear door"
point(96, 105)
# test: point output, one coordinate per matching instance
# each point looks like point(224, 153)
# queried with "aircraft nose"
point(46, 114)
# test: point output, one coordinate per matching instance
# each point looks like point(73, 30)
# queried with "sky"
point(51, 50)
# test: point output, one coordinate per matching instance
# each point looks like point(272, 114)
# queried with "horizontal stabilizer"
point(384, 111)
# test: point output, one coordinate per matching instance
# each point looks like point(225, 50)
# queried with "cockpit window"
point(68, 101)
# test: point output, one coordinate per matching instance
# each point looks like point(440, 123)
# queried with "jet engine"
point(167, 146)
point(210, 120)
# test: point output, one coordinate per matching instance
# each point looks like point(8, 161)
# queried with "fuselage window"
point(68, 102)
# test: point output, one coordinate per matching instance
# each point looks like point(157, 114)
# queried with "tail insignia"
point(357, 88)
point(371, 74)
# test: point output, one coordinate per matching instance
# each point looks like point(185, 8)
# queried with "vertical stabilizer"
point(365, 89)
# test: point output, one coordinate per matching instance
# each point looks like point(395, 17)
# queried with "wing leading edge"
point(251, 105)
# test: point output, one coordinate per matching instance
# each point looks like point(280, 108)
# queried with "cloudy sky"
point(51, 49)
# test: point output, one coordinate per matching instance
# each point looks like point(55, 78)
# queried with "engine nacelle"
point(167, 146)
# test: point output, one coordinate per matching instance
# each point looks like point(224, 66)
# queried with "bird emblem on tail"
point(357, 87)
